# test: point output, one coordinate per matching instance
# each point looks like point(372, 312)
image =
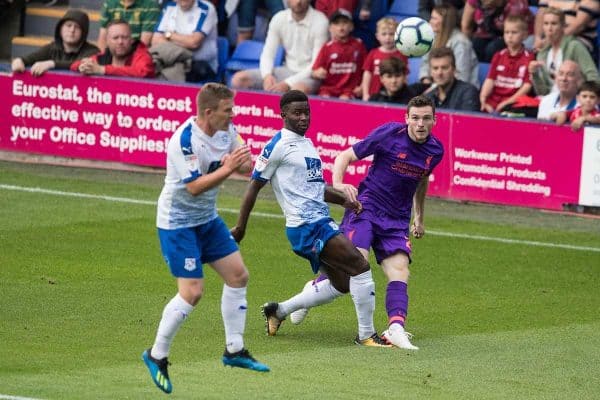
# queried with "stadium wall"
point(502, 161)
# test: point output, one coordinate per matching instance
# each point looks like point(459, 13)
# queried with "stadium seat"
point(247, 56)
point(401, 9)
point(414, 63)
point(483, 71)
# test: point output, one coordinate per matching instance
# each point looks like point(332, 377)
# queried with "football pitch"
point(505, 302)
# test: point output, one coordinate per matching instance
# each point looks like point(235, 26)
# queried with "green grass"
point(82, 286)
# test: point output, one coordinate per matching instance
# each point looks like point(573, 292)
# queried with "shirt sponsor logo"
point(314, 172)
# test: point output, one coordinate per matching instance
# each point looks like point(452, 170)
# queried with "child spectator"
point(385, 30)
point(70, 44)
point(508, 78)
point(587, 112)
point(392, 72)
point(339, 60)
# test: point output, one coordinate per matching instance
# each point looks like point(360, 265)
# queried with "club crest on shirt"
point(192, 162)
point(314, 172)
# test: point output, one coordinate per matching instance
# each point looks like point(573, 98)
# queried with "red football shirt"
point(374, 58)
point(509, 74)
point(342, 60)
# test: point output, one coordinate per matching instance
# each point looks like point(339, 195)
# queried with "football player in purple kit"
point(403, 157)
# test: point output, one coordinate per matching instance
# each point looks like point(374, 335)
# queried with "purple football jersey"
point(398, 165)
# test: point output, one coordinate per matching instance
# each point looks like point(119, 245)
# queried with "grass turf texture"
point(83, 285)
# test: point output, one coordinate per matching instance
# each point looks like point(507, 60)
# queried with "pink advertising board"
point(501, 161)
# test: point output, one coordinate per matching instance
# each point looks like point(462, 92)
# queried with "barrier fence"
point(502, 161)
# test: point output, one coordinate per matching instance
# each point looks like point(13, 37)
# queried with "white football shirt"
point(292, 164)
point(192, 153)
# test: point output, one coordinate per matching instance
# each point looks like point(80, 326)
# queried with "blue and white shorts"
point(186, 249)
point(308, 240)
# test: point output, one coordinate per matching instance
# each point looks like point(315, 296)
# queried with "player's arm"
point(418, 228)
point(336, 197)
point(230, 163)
point(339, 169)
point(254, 187)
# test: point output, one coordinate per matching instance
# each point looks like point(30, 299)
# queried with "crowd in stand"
point(541, 64)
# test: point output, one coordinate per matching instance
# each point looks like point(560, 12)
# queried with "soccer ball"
point(414, 37)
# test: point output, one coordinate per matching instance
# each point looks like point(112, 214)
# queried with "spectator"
point(581, 19)
point(328, 7)
point(191, 25)
point(487, 18)
point(141, 15)
point(426, 6)
point(587, 112)
point(123, 56)
point(247, 9)
point(559, 47)
point(385, 31)
point(444, 24)
point(70, 44)
point(568, 80)
point(447, 91)
point(338, 64)
point(394, 83)
point(302, 31)
point(508, 78)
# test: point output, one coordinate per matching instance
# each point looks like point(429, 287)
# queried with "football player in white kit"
point(202, 153)
point(292, 165)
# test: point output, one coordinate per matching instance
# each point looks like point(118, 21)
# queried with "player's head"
point(588, 95)
point(340, 24)
point(385, 31)
point(442, 66)
point(515, 31)
point(420, 118)
point(392, 72)
point(214, 103)
point(295, 111)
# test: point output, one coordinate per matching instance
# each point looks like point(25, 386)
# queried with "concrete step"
point(41, 21)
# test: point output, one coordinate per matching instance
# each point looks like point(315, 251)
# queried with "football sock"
point(320, 278)
point(233, 310)
point(362, 290)
point(321, 292)
point(174, 314)
point(396, 302)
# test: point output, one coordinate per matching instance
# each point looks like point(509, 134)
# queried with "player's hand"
point(236, 158)
point(355, 206)
point(237, 233)
point(418, 230)
point(349, 191)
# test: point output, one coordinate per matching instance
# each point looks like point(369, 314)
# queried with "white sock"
point(362, 290)
point(233, 310)
point(174, 314)
point(312, 295)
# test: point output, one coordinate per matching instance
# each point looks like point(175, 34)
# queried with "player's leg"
point(181, 250)
point(395, 268)
point(340, 254)
point(223, 255)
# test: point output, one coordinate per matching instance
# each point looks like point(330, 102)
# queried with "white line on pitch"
point(279, 216)
point(9, 397)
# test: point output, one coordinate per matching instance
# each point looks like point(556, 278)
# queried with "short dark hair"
point(441, 52)
point(117, 22)
point(420, 101)
point(292, 96)
point(590, 86)
point(392, 66)
point(210, 95)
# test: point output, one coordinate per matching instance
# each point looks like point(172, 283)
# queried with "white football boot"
point(397, 336)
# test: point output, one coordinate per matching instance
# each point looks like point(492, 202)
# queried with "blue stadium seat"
point(414, 63)
point(483, 71)
point(247, 56)
point(401, 9)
